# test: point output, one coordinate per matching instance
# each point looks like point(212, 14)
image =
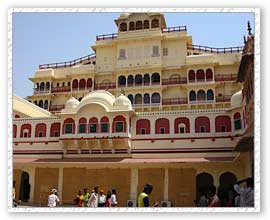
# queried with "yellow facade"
point(147, 106)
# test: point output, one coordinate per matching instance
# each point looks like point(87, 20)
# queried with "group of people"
point(96, 198)
point(234, 196)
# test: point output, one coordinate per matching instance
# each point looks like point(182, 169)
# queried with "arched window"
point(35, 102)
point(40, 103)
point(138, 79)
point(130, 80)
point(104, 124)
point(155, 78)
point(130, 97)
point(89, 83)
point(202, 124)
point(237, 121)
point(181, 125)
point(46, 104)
point(143, 126)
point(145, 24)
point(210, 94)
point(191, 76)
point(223, 123)
point(25, 131)
point(201, 95)
point(42, 85)
point(162, 126)
point(155, 98)
point(119, 124)
point(226, 183)
point(82, 128)
point(55, 130)
point(146, 98)
point(37, 86)
point(40, 130)
point(123, 26)
point(121, 81)
point(68, 126)
point(93, 125)
point(47, 85)
point(14, 131)
point(200, 75)
point(203, 182)
point(82, 84)
point(138, 99)
point(138, 25)
point(75, 84)
point(209, 75)
point(155, 23)
point(146, 79)
point(131, 26)
point(192, 96)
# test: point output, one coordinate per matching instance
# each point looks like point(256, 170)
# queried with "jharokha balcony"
point(174, 81)
point(56, 108)
point(225, 77)
point(175, 101)
point(224, 98)
point(61, 89)
point(105, 86)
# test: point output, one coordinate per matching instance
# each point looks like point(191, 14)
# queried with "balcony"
point(56, 108)
point(61, 89)
point(225, 77)
point(106, 36)
point(214, 50)
point(175, 101)
point(105, 86)
point(174, 29)
point(86, 59)
point(174, 81)
point(224, 98)
point(36, 91)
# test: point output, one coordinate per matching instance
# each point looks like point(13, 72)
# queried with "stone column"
point(133, 184)
point(60, 184)
point(166, 184)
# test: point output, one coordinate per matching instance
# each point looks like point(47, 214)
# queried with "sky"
point(40, 38)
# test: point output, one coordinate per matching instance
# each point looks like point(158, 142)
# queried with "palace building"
point(148, 106)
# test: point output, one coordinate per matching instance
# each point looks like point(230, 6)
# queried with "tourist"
point(101, 199)
point(86, 196)
point(213, 198)
point(53, 199)
point(113, 198)
point(143, 200)
point(79, 199)
point(93, 200)
point(246, 194)
point(108, 199)
point(203, 202)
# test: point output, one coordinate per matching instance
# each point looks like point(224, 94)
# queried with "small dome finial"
point(249, 28)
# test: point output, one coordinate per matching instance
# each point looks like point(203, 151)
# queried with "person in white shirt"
point(246, 194)
point(93, 200)
point(53, 198)
point(113, 198)
point(101, 199)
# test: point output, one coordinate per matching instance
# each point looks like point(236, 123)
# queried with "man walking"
point(53, 199)
point(246, 194)
point(143, 200)
point(93, 200)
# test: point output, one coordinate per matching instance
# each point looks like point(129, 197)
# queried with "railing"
point(215, 50)
point(106, 36)
point(61, 89)
point(225, 77)
point(174, 29)
point(174, 101)
point(56, 107)
point(36, 91)
point(105, 86)
point(174, 81)
point(67, 63)
point(225, 98)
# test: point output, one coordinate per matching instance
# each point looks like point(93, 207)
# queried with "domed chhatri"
point(72, 103)
point(236, 99)
point(122, 100)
